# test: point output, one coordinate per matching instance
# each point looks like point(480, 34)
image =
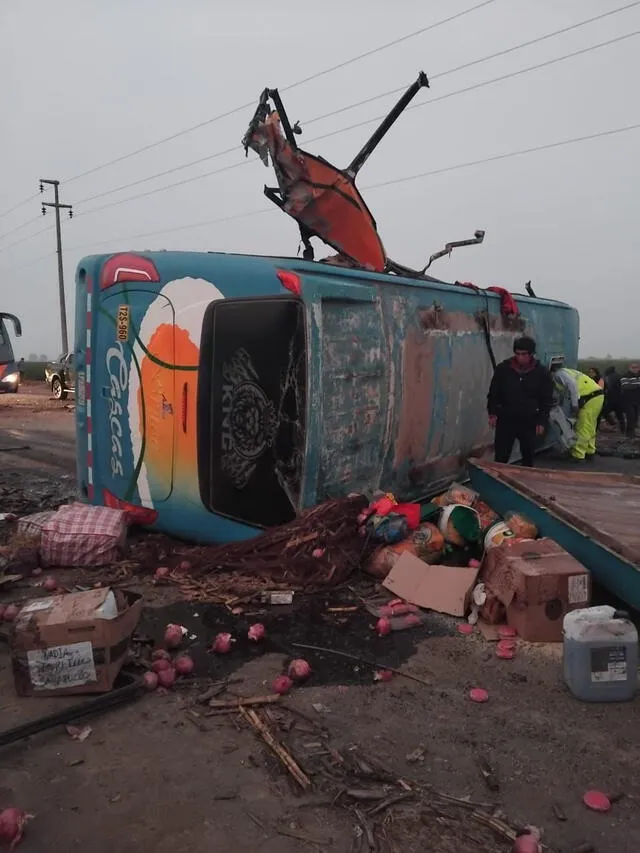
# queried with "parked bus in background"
point(9, 370)
point(217, 395)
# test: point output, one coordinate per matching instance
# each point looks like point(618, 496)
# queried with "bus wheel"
point(57, 390)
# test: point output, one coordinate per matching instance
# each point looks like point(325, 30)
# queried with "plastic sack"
point(521, 526)
point(486, 515)
point(80, 535)
point(562, 429)
point(460, 495)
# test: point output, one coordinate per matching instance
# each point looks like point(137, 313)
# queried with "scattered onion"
point(282, 684)
point(160, 665)
point(172, 636)
point(50, 584)
point(528, 842)
point(383, 675)
point(150, 681)
point(161, 654)
point(12, 823)
point(167, 677)
point(256, 632)
point(184, 665)
point(222, 644)
point(183, 567)
point(383, 626)
point(10, 612)
point(299, 669)
point(161, 573)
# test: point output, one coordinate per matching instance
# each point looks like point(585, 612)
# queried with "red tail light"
point(127, 267)
point(135, 514)
point(290, 281)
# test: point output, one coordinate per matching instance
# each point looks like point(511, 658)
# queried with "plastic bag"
point(460, 495)
point(521, 526)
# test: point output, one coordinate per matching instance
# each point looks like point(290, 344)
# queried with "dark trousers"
point(611, 408)
point(508, 431)
point(631, 412)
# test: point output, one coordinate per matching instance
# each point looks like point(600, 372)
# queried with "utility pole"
point(57, 205)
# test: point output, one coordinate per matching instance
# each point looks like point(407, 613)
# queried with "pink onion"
point(256, 632)
point(317, 553)
point(222, 644)
point(184, 665)
point(167, 677)
point(529, 842)
point(50, 584)
point(12, 823)
point(383, 626)
point(161, 654)
point(160, 665)
point(10, 612)
point(282, 684)
point(183, 567)
point(161, 573)
point(383, 675)
point(150, 681)
point(299, 669)
point(172, 636)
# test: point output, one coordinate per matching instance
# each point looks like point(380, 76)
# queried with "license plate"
point(81, 394)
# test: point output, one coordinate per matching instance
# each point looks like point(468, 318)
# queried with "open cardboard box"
point(446, 589)
point(61, 645)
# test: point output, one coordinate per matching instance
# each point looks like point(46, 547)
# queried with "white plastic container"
point(600, 654)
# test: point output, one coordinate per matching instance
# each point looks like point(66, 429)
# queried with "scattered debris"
point(294, 769)
point(79, 733)
point(416, 756)
point(478, 694)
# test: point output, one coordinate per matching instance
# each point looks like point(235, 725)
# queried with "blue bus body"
point(221, 394)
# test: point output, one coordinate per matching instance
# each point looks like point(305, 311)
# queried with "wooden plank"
point(580, 499)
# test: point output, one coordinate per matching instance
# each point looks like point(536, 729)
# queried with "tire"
point(57, 389)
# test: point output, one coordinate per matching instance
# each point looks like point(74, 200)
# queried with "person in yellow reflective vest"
point(586, 399)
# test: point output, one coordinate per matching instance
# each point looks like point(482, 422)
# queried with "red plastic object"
point(290, 281)
point(597, 801)
point(505, 632)
point(478, 694)
point(411, 512)
point(384, 505)
point(465, 628)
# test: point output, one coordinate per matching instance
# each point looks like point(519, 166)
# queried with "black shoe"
point(589, 457)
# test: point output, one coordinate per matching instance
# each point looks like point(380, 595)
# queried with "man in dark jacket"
point(520, 399)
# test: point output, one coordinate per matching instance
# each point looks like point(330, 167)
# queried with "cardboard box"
point(538, 582)
point(62, 645)
point(446, 589)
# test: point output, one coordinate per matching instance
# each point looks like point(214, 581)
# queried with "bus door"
point(134, 393)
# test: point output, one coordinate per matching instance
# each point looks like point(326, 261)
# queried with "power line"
point(479, 61)
point(30, 263)
point(20, 204)
point(496, 157)
point(305, 80)
point(188, 227)
point(468, 164)
point(20, 227)
point(474, 86)
point(446, 96)
point(26, 237)
point(464, 66)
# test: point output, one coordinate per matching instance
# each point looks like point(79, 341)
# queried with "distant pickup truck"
point(60, 376)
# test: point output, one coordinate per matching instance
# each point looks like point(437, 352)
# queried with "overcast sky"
point(85, 81)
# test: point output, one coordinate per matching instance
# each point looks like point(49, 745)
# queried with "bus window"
point(251, 409)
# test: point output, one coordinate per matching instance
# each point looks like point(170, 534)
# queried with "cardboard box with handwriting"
point(73, 643)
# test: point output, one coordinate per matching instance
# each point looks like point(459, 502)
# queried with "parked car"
point(60, 376)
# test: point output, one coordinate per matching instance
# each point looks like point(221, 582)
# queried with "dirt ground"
point(154, 776)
